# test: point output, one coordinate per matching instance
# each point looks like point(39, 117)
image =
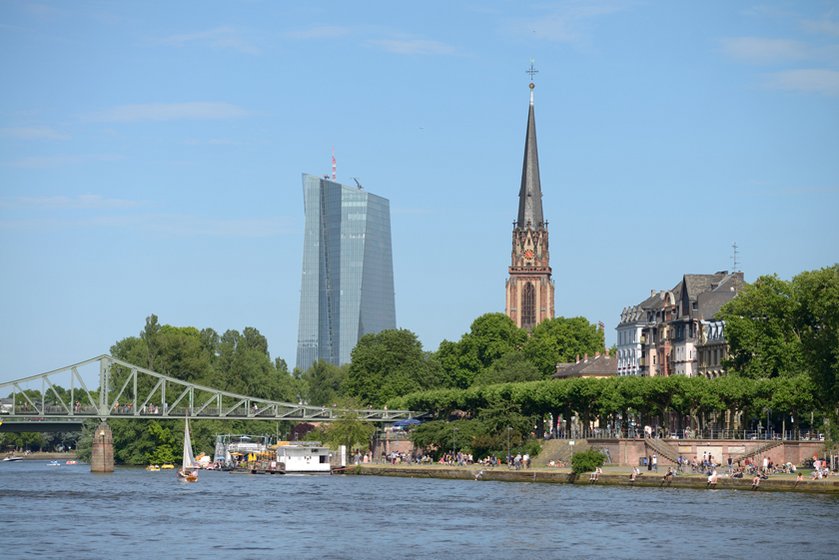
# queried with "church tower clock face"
point(528, 254)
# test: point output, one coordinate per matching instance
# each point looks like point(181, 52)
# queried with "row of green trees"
point(484, 414)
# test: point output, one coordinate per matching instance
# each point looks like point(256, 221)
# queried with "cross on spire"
point(532, 70)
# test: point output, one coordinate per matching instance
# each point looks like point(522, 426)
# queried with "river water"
point(67, 512)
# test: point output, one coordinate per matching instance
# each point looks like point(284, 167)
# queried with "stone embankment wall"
point(630, 452)
point(825, 486)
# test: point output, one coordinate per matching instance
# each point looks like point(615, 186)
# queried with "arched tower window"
point(528, 306)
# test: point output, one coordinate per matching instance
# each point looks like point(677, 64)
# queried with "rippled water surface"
point(67, 512)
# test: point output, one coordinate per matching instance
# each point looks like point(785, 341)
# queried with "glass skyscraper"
point(347, 286)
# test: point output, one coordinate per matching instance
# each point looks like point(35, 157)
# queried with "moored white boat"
point(304, 458)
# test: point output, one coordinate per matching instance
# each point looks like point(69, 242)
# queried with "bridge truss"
point(129, 391)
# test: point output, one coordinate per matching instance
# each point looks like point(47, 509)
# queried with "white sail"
point(189, 458)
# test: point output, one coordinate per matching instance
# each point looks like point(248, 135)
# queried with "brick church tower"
point(530, 289)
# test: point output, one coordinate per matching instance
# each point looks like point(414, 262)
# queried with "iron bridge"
point(129, 391)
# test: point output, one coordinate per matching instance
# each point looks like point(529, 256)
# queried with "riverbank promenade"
point(611, 476)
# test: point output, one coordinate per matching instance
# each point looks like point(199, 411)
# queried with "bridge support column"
point(102, 456)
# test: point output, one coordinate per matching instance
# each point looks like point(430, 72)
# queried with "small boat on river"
point(11, 458)
point(189, 468)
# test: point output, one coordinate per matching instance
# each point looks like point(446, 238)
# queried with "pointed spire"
point(530, 195)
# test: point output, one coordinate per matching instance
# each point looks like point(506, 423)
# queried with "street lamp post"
point(509, 432)
point(767, 423)
point(454, 443)
point(102, 448)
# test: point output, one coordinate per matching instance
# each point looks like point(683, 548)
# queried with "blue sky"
point(151, 155)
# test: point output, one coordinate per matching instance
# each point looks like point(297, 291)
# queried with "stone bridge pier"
point(102, 455)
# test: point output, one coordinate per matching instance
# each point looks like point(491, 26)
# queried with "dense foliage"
point(776, 328)
point(235, 362)
point(388, 364)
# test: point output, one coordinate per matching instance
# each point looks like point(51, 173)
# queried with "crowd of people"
point(708, 466)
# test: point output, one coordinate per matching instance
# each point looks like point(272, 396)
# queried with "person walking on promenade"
point(655, 462)
point(649, 463)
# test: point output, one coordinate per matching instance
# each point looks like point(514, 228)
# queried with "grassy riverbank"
point(612, 476)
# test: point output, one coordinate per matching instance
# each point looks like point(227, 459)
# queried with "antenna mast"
point(735, 263)
point(334, 165)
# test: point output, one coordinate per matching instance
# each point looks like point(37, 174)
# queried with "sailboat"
point(188, 470)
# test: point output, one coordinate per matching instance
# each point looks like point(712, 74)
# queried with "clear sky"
point(151, 155)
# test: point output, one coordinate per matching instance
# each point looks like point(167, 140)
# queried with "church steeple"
point(530, 194)
point(530, 289)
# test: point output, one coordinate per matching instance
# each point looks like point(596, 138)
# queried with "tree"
point(440, 437)
point(817, 320)
point(509, 368)
point(561, 340)
point(388, 364)
point(349, 430)
point(245, 367)
point(164, 444)
point(762, 335)
point(491, 336)
point(323, 383)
